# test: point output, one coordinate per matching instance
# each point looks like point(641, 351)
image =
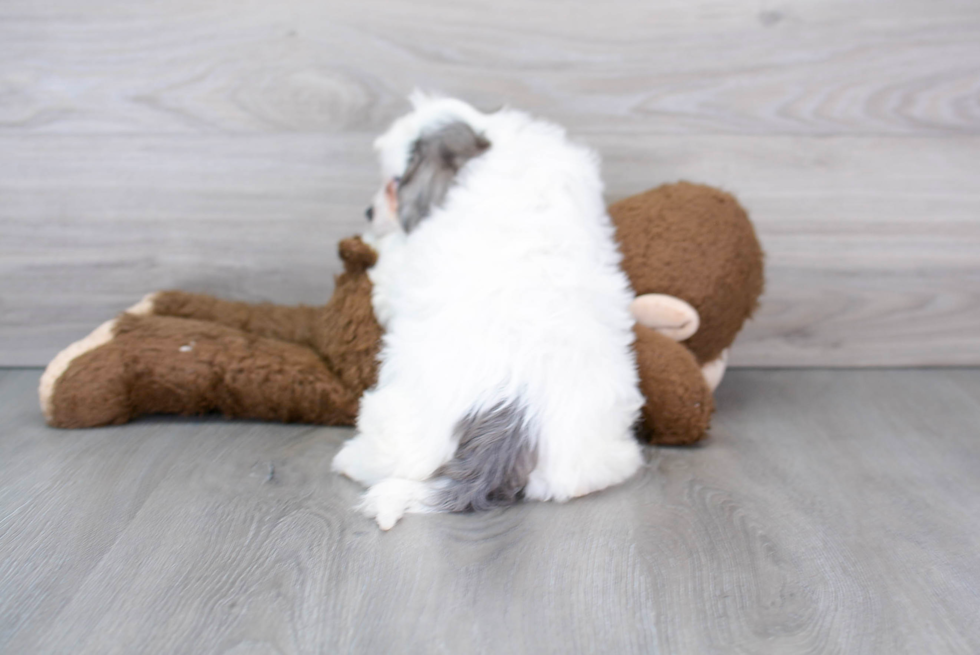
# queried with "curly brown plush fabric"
point(195, 354)
point(167, 365)
point(681, 415)
point(696, 243)
point(189, 353)
point(344, 332)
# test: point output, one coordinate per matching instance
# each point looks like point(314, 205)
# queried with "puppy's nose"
point(369, 212)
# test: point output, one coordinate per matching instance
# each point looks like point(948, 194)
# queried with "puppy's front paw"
point(359, 461)
point(389, 500)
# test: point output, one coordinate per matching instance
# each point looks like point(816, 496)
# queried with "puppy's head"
point(421, 155)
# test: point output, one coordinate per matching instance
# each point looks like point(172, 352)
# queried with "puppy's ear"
point(435, 160)
point(457, 151)
point(418, 97)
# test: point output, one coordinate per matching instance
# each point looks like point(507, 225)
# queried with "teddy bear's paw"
point(714, 370)
point(64, 359)
point(57, 367)
point(668, 315)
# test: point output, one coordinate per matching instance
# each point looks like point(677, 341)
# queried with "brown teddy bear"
point(690, 252)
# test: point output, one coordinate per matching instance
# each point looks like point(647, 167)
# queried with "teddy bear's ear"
point(356, 255)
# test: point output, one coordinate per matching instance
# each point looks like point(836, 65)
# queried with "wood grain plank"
point(799, 67)
point(830, 512)
point(224, 147)
point(873, 244)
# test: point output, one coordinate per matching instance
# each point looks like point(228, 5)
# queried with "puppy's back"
point(512, 316)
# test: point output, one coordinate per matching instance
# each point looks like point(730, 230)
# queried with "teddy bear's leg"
point(678, 401)
point(668, 315)
point(156, 364)
point(59, 366)
point(99, 336)
point(714, 370)
point(295, 324)
point(349, 307)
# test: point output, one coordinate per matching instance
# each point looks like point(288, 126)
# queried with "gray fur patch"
point(436, 158)
point(493, 461)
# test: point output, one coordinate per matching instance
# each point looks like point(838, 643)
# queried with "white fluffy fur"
point(510, 290)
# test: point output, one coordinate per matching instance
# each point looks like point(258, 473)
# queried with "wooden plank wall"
point(224, 146)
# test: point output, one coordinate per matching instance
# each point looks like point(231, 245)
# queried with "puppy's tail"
point(493, 461)
point(491, 467)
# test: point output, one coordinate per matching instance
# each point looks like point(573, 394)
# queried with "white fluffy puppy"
point(507, 367)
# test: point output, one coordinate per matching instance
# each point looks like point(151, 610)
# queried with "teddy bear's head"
point(696, 243)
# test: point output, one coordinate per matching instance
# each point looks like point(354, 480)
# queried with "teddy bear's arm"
point(678, 401)
point(676, 320)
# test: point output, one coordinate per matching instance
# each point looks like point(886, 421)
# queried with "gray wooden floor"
point(831, 512)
